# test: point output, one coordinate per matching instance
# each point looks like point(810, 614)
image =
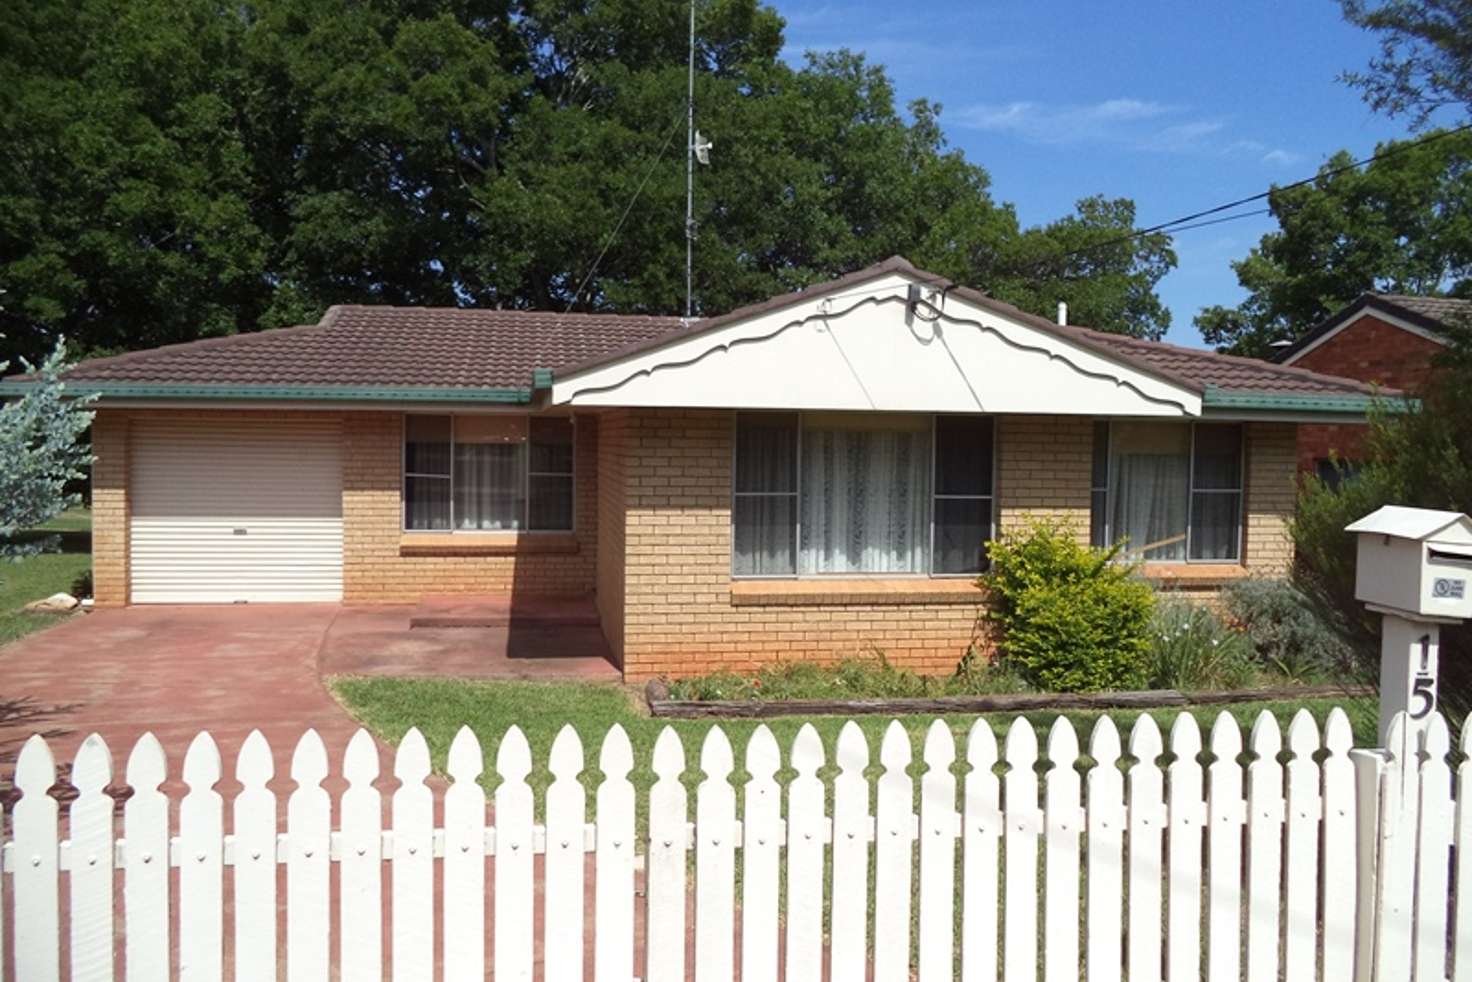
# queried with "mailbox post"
point(1414, 568)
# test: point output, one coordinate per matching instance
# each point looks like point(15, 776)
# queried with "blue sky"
point(1179, 105)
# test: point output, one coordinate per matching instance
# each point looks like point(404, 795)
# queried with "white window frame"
point(526, 476)
point(796, 496)
point(1191, 491)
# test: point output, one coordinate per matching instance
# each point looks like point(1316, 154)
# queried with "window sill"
point(1190, 575)
point(487, 543)
point(883, 592)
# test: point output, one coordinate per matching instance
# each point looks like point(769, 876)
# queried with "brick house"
point(808, 477)
point(1384, 339)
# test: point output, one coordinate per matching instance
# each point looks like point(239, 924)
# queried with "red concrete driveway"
point(173, 671)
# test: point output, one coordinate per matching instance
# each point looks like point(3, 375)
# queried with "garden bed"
point(657, 695)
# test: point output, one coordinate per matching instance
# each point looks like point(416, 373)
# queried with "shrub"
point(1192, 648)
point(1072, 619)
point(1287, 629)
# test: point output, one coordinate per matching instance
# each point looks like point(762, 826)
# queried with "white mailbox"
point(1415, 561)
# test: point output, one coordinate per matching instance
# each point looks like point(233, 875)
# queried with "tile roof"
point(451, 348)
point(386, 346)
point(1439, 309)
point(1430, 314)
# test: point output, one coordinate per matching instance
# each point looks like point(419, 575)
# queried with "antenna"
point(690, 176)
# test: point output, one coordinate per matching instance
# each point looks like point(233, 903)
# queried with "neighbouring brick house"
point(809, 477)
point(1384, 339)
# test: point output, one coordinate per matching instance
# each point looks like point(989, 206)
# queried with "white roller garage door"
point(235, 511)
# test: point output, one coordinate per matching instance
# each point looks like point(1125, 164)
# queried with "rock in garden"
point(57, 603)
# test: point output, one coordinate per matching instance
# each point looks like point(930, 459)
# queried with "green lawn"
point(439, 707)
point(40, 576)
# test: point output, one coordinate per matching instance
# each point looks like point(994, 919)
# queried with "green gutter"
point(267, 393)
point(1216, 398)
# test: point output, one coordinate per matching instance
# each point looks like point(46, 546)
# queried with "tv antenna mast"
point(696, 149)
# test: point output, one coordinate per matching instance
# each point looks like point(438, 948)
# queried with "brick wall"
point(683, 614)
point(1370, 350)
point(110, 508)
point(613, 443)
point(381, 565)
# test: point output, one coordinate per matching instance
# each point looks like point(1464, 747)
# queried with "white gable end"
point(862, 350)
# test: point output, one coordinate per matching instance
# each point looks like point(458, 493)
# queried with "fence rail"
point(1188, 857)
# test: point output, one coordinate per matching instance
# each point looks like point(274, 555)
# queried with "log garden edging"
point(656, 694)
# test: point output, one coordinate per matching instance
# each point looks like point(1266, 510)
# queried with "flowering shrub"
point(1192, 648)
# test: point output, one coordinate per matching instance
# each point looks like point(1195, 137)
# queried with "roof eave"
point(124, 391)
point(1346, 404)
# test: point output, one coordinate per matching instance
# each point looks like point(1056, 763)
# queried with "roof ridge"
point(335, 312)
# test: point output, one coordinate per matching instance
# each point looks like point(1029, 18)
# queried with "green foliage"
point(42, 450)
point(1425, 59)
point(1072, 619)
point(1290, 633)
point(1403, 224)
point(182, 168)
point(1192, 648)
point(870, 677)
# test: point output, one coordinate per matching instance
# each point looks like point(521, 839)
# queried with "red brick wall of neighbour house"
point(1370, 350)
point(683, 614)
point(381, 564)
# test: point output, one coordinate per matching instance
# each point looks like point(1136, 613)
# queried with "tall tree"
point(1425, 60)
point(179, 168)
point(1402, 224)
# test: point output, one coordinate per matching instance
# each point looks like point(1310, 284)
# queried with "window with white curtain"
point(488, 473)
point(829, 494)
point(1172, 491)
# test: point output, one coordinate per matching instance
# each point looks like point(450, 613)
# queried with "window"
point(1172, 491)
point(820, 494)
point(963, 493)
point(488, 473)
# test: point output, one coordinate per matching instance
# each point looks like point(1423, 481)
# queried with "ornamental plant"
point(1072, 619)
point(41, 452)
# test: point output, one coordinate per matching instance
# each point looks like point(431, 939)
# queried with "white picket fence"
point(1179, 871)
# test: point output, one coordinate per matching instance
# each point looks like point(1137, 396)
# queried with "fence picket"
point(1301, 850)
point(1186, 813)
point(665, 878)
point(308, 829)
point(1264, 847)
point(360, 873)
point(1433, 853)
point(1062, 811)
point(1106, 819)
point(1396, 881)
point(894, 851)
point(465, 862)
point(980, 842)
point(761, 858)
point(1023, 822)
point(1462, 938)
point(715, 861)
point(253, 824)
point(413, 864)
point(937, 856)
point(146, 872)
point(90, 828)
point(1225, 812)
point(1337, 836)
point(512, 952)
point(562, 895)
point(851, 832)
point(1146, 790)
point(37, 934)
point(613, 883)
point(201, 865)
point(805, 834)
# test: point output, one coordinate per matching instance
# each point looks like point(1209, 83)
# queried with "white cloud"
point(1109, 119)
point(1281, 158)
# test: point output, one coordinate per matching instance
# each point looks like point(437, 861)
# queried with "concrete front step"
point(505, 611)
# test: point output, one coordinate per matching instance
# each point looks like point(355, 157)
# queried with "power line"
point(1333, 172)
point(624, 217)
